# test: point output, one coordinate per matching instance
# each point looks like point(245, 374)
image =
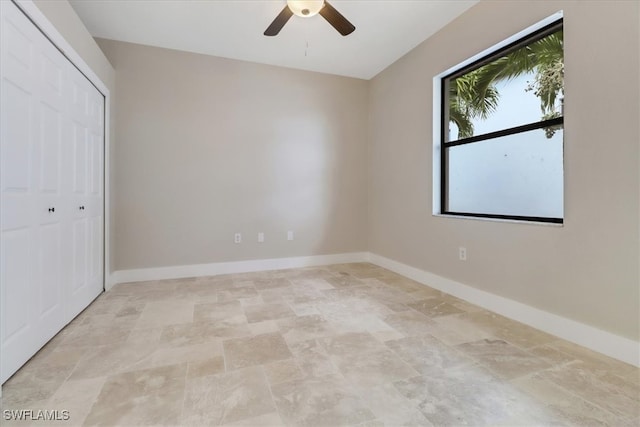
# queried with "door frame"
point(32, 11)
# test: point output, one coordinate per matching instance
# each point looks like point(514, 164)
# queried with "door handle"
point(53, 209)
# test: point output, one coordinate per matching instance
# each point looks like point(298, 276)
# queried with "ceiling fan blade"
point(279, 22)
point(336, 19)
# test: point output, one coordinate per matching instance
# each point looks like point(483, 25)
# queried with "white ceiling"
point(385, 30)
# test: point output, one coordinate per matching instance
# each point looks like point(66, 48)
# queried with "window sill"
point(512, 221)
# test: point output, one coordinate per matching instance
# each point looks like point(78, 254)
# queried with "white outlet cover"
point(237, 238)
point(289, 235)
point(260, 237)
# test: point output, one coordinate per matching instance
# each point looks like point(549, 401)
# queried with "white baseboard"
point(612, 345)
point(182, 271)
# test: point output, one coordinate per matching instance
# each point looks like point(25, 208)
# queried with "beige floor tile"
point(304, 309)
point(504, 359)
point(453, 330)
point(163, 313)
point(344, 281)
point(566, 407)
point(435, 307)
point(145, 397)
point(235, 293)
point(508, 330)
point(461, 304)
point(312, 359)
point(373, 368)
point(251, 301)
point(262, 312)
point(94, 335)
point(608, 391)
point(384, 336)
point(450, 397)
point(112, 359)
point(350, 304)
point(19, 415)
point(192, 353)
point(318, 284)
point(35, 382)
point(303, 328)
point(256, 350)
point(425, 353)
point(149, 336)
point(406, 285)
point(282, 371)
point(390, 407)
point(265, 327)
point(327, 401)
point(596, 361)
point(270, 283)
point(127, 310)
point(266, 420)
point(227, 398)
point(218, 311)
point(551, 355)
point(355, 321)
point(425, 292)
point(201, 333)
point(77, 397)
point(374, 423)
point(205, 367)
point(409, 323)
point(351, 343)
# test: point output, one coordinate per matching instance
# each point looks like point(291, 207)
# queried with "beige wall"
point(209, 146)
point(586, 270)
point(64, 18)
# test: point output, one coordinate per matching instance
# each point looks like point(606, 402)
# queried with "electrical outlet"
point(261, 237)
point(237, 238)
point(462, 253)
point(289, 235)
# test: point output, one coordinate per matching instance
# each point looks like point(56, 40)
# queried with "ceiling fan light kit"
point(307, 9)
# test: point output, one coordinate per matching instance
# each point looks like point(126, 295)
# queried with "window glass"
point(502, 132)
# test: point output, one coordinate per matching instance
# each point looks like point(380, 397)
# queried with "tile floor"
point(339, 345)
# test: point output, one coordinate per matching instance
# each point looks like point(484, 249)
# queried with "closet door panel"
point(16, 274)
point(79, 252)
point(87, 194)
point(50, 280)
point(79, 296)
point(17, 123)
point(17, 119)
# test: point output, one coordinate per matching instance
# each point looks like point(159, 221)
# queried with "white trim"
point(604, 342)
point(41, 21)
point(197, 270)
point(514, 221)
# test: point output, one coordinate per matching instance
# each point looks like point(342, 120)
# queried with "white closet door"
point(86, 170)
point(38, 203)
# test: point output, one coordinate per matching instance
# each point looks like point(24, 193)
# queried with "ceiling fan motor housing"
point(305, 8)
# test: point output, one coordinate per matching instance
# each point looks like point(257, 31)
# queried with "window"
point(501, 131)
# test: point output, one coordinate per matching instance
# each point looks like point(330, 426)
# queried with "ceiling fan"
point(307, 9)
